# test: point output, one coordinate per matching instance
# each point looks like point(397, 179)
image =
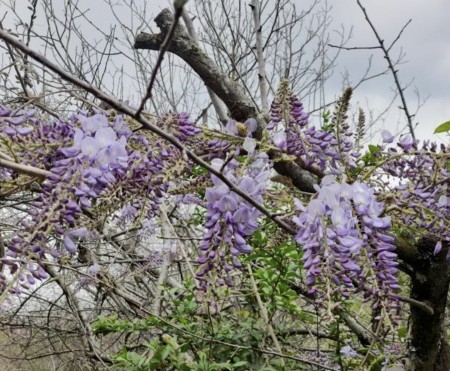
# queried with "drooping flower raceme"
point(346, 247)
point(230, 219)
point(317, 150)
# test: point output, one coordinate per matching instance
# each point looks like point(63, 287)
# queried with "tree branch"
point(260, 57)
point(391, 66)
point(24, 169)
point(123, 108)
point(240, 106)
point(216, 102)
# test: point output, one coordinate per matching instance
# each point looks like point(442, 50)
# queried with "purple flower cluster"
point(421, 192)
point(24, 131)
point(315, 149)
point(179, 125)
point(229, 219)
point(346, 247)
point(79, 174)
point(18, 123)
point(221, 143)
point(98, 158)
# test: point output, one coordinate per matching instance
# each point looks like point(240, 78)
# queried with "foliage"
point(445, 127)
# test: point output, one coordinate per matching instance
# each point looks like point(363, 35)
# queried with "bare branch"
point(143, 121)
point(401, 91)
point(24, 169)
point(218, 106)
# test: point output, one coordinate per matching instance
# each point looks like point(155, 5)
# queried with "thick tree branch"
point(240, 106)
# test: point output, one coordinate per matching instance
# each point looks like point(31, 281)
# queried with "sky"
point(425, 42)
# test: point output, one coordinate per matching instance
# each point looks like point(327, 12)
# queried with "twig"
point(178, 240)
point(164, 47)
point(354, 47)
point(123, 108)
point(25, 169)
point(391, 66)
point(421, 305)
point(263, 311)
point(260, 57)
point(84, 322)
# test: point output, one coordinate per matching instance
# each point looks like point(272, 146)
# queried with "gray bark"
point(240, 106)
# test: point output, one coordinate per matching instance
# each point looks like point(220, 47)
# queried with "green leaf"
point(442, 128)
point(402, 332)
point(240, 363)
point(374, 149)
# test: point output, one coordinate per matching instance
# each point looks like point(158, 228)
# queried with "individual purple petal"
point(90, 147)
point(70, 151)
point(231, 127)
point(438, 248)
point(69, 244)
point(316, 208)
point(351, 266)
point(387, 136)
point(249, 145)
point(348, 351)
point(16, 120)
point(251, 125)
point(42, 273)
point(227, 203)
point(406, 142)
point(443, 202)
point(80, 232)
point(105, 137)
point(279, 139)
point(93, 123)
point(71, 236)
point(24, 130)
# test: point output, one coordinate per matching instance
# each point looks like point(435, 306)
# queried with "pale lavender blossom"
point(229, 219)
point(71, 237)
point(387, 136)
point(334, 228)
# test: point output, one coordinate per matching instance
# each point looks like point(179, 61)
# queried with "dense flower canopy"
point(345, 231)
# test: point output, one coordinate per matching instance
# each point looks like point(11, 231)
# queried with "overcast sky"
point(426, 43)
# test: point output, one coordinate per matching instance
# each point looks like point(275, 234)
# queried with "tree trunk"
point(429, 349)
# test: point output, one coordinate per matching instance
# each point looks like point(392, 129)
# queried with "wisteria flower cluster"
point(347, 248)
point(230, 219)
point(93, 160)
point(23, 135)
point(214, 144)
point(318, 150)
point(179, 125)
point(421, 176)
